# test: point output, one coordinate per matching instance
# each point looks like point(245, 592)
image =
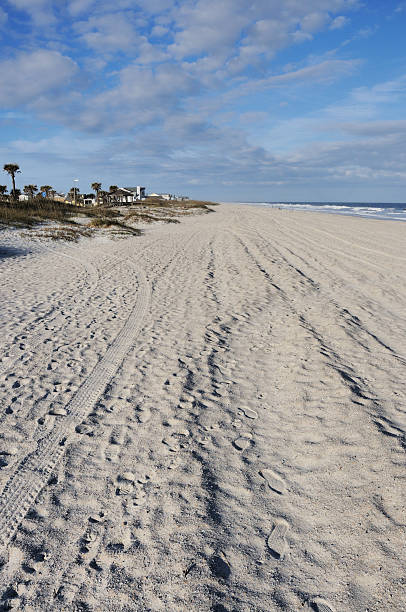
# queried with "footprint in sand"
point(139, 496)
point(250, 414)
point(219, 566)
point(143, 414)
point(321, 605)
point(243, 442)
point(58, 410)
point(89, 541)
point(8, 449)
point(117, 435)
point(172, 444)
point(127, 477)
point(119, 540)
point(11, 598)
point(36, 563)
point(274, 481)
point(126, 484)
point(276, 541)
point(204, 441)
point(84, 428)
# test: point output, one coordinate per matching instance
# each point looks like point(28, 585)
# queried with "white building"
point(139, 192)
point(127, 195)
point(162, 196)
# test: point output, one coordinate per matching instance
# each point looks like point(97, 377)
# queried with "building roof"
point(122, 190)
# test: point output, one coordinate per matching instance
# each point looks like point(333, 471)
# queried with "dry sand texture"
point(209, 417)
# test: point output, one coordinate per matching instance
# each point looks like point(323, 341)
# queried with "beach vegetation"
point(33, 212)
point(47, 190)
point(182, 205)
point(65, 233)
point(97, 188)
point(137, 216)
point(12, 170)
point(58, 219)
point(109, 222)
point(30, 191)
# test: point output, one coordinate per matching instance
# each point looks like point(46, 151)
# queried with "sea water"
point(395, 212)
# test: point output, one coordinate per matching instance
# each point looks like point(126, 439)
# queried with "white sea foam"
point(395, 212)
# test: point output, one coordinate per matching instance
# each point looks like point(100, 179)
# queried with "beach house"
point(139, 192)
point(126, 195)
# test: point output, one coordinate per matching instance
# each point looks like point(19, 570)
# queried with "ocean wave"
point(395, 212)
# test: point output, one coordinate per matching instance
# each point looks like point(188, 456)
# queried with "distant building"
point(162, 196)
point(126, 195)
point(89, 199)
point(138, 191)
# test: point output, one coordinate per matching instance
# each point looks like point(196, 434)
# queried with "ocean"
point(395, 212)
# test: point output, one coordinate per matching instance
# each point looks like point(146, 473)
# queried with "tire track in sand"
point(32, 473)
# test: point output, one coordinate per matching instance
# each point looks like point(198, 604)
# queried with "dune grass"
point(34, 212)
point(181, 204)
point(111, 222)
point(38, 210)
point(67, 234)
point(144, 217)
point(61, 221)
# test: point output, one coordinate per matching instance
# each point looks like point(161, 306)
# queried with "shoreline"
point(375, 211)
point(207, 416)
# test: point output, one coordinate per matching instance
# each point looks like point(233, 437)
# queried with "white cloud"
point(106, 33)
point(144, 96)
point(34, 74)
point(339, 22)
point(313, 22)
point(164, 109)
point(323, 72)
point(234, 34)
point(76, 7)
point(40, 11)
point(158, 31)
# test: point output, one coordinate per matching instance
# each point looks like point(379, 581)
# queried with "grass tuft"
point(41, 211)
point(68, 234)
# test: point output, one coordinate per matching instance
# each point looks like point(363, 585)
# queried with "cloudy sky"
point(224, 99)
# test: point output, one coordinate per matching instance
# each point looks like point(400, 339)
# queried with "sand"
point(209, 417)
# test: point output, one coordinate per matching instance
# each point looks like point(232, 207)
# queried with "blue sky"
point(231, 100)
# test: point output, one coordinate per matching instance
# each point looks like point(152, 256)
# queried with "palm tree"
point(3, 190)
point(97, 188)
point(73, 194)
point(113, 188)
point(47, 189)
point(30, 190)
point(12, 170)
point(104, 197)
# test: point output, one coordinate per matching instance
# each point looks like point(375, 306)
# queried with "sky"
point(231, 100)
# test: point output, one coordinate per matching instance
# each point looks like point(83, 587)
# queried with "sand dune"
point(208, 417)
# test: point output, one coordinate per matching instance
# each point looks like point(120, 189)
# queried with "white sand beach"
point(208, 417)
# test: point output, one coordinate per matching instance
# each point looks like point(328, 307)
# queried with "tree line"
point(47, 191)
